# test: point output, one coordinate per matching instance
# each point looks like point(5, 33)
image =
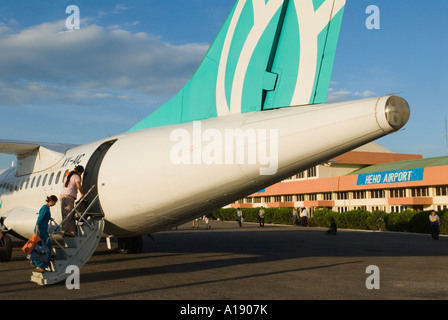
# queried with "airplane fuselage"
point(153, 179)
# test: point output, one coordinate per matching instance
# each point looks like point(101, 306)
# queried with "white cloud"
point(47, 60)
point(119, 8)
point(345, 95)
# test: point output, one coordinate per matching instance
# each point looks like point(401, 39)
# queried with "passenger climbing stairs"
point(77, 250)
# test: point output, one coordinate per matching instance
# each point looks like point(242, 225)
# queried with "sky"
point(129, 57)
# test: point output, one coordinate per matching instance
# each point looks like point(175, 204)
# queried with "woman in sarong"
point(41, 230)
point(72, 184)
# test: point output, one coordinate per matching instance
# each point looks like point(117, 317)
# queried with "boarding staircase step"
point(75, 250)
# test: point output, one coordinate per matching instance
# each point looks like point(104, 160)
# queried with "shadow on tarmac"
point(228, 262)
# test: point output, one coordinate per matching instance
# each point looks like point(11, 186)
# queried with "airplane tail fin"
point(268, 54)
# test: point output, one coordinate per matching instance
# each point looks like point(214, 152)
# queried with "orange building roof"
point(372, 158)
point(435, 172)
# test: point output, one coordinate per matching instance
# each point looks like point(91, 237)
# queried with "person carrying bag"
point(41, 253)
point(31, 243)
point(40, 256)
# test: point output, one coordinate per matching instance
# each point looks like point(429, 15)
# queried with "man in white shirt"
point(304, 217)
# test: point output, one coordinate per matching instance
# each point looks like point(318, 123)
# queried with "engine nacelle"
point(21, 221)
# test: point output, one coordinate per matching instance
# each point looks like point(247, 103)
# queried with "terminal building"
point(370, 177)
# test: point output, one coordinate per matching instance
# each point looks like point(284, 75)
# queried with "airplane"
point(253, 114)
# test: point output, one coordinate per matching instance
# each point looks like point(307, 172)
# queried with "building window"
point(359, 194)
point(257, 199)
point(419, 192)
point(327, 196)
point(376, 194)
point(398, 193)
point(342, 195)
point(289, 198)
point(397, 208)
point(312, 197)
point(300, 197)
point(312, 172)
point(442, 191)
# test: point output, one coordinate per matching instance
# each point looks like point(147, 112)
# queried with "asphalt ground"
point(228, 263)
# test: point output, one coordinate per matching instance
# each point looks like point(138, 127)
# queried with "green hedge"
point(271, 215)
point(405, 221)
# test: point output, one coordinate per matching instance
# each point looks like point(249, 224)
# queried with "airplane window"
point(38, 181)
point(57, 177)
point(45, 179)
point(32, 182)
point(65, 174)
point(51, 179)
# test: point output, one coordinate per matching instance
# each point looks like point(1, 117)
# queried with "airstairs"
point(75, 250)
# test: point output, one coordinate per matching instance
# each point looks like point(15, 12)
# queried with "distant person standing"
point(261, 217)
point(72, 184)
point(304, 217)
point(239, 217)
point(295, 217)
point(207, 221)
point(333, 228)
point(434, 225)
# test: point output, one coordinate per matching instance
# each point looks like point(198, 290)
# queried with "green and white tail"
point(268, 54)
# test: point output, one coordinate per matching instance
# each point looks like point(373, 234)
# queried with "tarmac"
point(228, 263)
